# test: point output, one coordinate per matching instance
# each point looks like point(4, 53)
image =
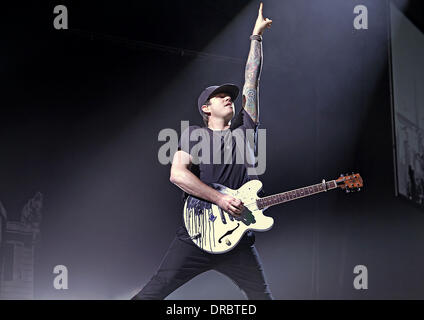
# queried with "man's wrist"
point(256, 37)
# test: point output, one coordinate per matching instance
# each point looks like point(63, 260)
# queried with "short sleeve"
point(186, 143)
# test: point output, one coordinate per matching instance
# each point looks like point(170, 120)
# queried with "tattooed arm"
point(252, 76)
point(254, 67)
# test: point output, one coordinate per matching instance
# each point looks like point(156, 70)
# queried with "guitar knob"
point(228, 242)
point(196, 236)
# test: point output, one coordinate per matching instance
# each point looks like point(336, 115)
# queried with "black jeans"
point(183, 261)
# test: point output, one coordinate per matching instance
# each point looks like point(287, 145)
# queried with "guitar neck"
point(278, 198)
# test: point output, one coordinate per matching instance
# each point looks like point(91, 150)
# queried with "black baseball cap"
point(229, 88)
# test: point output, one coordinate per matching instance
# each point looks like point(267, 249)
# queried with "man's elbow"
point(175, 177)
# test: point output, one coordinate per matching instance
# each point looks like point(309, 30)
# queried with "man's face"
point(221, 106)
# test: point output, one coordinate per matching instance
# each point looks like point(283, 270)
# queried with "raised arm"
point(254, 67)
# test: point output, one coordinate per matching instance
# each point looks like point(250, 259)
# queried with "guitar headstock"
point(350, 182)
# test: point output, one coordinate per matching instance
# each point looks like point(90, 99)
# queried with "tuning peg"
point(359, 189)
point(342, 175)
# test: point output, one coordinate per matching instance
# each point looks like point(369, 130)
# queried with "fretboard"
point(295, 194)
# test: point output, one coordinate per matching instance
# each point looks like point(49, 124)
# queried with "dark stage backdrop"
point(408, 102)
point(81, 110)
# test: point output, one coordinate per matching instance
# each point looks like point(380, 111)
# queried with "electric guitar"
point(216, 231)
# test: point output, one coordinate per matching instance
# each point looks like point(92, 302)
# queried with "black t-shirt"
point(231, 153)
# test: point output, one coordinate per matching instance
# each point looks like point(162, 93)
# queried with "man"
point(184, 260)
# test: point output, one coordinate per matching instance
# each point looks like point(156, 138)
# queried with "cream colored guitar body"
point(217, 231)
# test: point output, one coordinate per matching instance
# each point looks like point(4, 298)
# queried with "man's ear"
point(206, 109)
